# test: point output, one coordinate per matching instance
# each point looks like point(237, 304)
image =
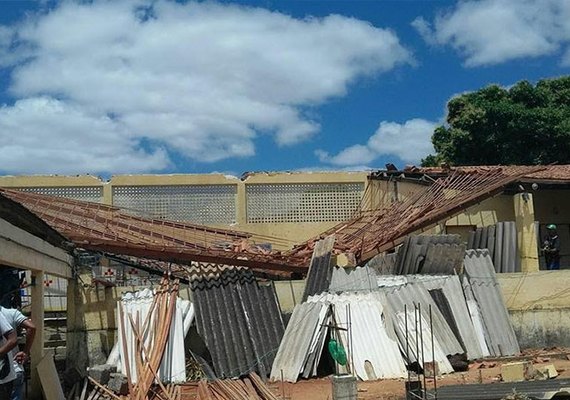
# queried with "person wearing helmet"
point(551, 248)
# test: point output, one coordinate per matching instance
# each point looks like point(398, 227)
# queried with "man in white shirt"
point(8, 340)
point(17, 321)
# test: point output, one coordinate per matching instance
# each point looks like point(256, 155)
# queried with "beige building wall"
point(488, 212)
point(380, 193)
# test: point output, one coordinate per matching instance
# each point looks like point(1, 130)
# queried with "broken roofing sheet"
point(446, 291)
point(320, 269)
point(416, 341)
point(353, 279)
point(373, 231)
point(240, 322)
point(410, 295)
point(480, 274)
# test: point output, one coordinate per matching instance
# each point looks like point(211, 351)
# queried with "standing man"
point(17, 321)
point(8, 341)
point(551, 248)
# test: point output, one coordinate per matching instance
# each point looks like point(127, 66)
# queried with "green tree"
point(524, 125)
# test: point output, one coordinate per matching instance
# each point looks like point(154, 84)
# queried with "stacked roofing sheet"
point(367, 336)
point(430, 254)
point(480, 273)
point(501, 241)
point(416, 341)
point(408, 296)
point(447, 292)
point(320, 269)
point(240, 322)
point(372, 344)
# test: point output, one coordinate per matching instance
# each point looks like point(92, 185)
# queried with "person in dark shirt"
point(551, 248)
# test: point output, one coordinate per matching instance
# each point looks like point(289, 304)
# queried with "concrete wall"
point(539, 305)
point(289, 294)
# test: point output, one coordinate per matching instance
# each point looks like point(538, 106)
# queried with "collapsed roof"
point(373, 231)
point(100, 227)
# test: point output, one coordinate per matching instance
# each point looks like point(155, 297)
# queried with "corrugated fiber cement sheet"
point(240, 322)
point(481, 274)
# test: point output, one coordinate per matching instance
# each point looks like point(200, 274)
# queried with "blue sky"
point(137, 86)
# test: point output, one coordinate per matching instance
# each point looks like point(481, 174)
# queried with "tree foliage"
point(523, 125)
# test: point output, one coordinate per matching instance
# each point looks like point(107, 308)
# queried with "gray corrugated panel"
point(443, 259)
point(294, 347)
point(491, 241)
point(498, 256)
point(481, 274)
point(484, 236)
point(240, 322)
point(478, 238)
point(495, 391)
point(476, 317)
point(413, 252)
point(507, 264)
point(412, 294)
point(402, 255)
point(317, 344)
point(453, 292)
point(353, 279)
point(383, 264)
point(512, 247)
point(320, 270)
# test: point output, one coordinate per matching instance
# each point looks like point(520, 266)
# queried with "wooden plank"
point(48, 377)
point(24, 250)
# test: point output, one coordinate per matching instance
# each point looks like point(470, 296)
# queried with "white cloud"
point(495, 31)
point(42, 134)
point(410, 142)
point(199, 79)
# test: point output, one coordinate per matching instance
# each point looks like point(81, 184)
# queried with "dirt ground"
point(488, 371)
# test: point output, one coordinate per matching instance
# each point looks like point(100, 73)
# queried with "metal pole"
point(417, 344)
point(348, 343)
point(282, 386)
point(407, 340)
point(351, 340)
point(433, 353)
point(423, 355)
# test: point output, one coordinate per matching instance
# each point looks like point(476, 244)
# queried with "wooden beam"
point(21, 249)
point(37, 351)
